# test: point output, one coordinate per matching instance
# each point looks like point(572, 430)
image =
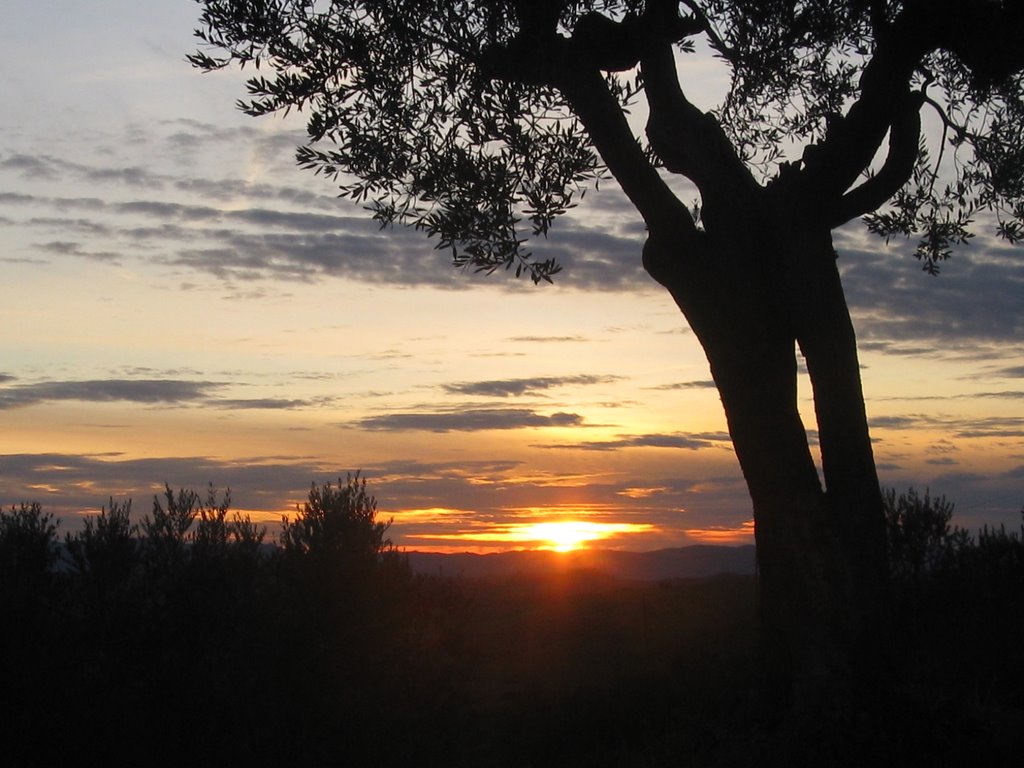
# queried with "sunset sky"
point(181, 304)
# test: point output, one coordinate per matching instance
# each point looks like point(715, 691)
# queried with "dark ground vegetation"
point(186, 639)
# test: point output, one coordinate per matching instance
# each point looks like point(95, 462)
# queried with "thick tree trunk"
point(853, 499)
point(821, 554)
point(759, 280)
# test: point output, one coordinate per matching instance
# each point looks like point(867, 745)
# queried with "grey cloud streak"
point(267, 404)
point(684, 440)
point(519, 387)
point(963, 427)
point(284, 232)
point(82, 482)
point(978, 296)
point(702, 384)
point(142, 391)
point(468, 420)
point(151, 392)
point(256, 242)
point(1012, 372)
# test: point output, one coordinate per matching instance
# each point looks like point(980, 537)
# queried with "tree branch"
point(851, 141)
point(897, 169)
point(574, 67)
point(705, 26)
point(588, 95)
point(688, 141)
point(984, 35)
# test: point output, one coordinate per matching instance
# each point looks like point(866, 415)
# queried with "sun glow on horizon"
point(555, 535)
point(567, 535)
point(723, 535)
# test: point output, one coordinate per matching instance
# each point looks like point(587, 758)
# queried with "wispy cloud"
point(66, 248)
point(166, 391)
point(896, 306)
point(269, 231)
point(519, 387)
point(266, 404)
point(961, 427)
point(548, 339)
point(688, 441)
point(30, 166)
point(469, 420)
point(701, 384)
point(1011, 372)
point(143, 391)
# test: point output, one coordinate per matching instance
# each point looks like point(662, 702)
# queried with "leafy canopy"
point(462, 119)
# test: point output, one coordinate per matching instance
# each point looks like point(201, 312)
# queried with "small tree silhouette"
point(213, 531)
point(28, 540)
point(105, 552)
point(920, 537)
point(28, 552)
point(165, 531)
point(337, 529)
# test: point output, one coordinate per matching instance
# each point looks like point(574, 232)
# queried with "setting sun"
point(567, 535)
point(558, 535)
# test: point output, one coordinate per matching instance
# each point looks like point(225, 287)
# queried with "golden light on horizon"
point(722, 535)
point(567, 535)
point(556, 535)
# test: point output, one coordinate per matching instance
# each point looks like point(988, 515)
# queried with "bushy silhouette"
point(165, 530)
point(32, 620)
point(957, 622)
point(105, 552)
point(356, 661)
point(337, 528)
point(28, 548)
point(920, 537)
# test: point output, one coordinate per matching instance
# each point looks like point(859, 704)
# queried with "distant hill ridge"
point(696, 561)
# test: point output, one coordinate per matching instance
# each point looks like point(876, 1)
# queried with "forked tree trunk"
point(821, 551)
point(758, 281)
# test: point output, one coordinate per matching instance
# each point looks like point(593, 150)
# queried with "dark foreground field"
point(213, 650)
point(575, 669)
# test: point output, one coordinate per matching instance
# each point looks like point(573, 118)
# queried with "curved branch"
point(904, 135)
point(962, 134)
point(982, 34)
point(851, 142)
point(689, 141)
point(597, 109)
point(723, 48)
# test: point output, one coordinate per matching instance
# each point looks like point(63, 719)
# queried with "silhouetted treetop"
point(482, 121)
point(338, 526)
point(28, 544)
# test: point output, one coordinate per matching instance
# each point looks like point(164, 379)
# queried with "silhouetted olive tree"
point(335, 534)
point(30, 619)
point(481, 121)
point(28, 542)
point(165, 531)
point(921, 539)
point(105, 551)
